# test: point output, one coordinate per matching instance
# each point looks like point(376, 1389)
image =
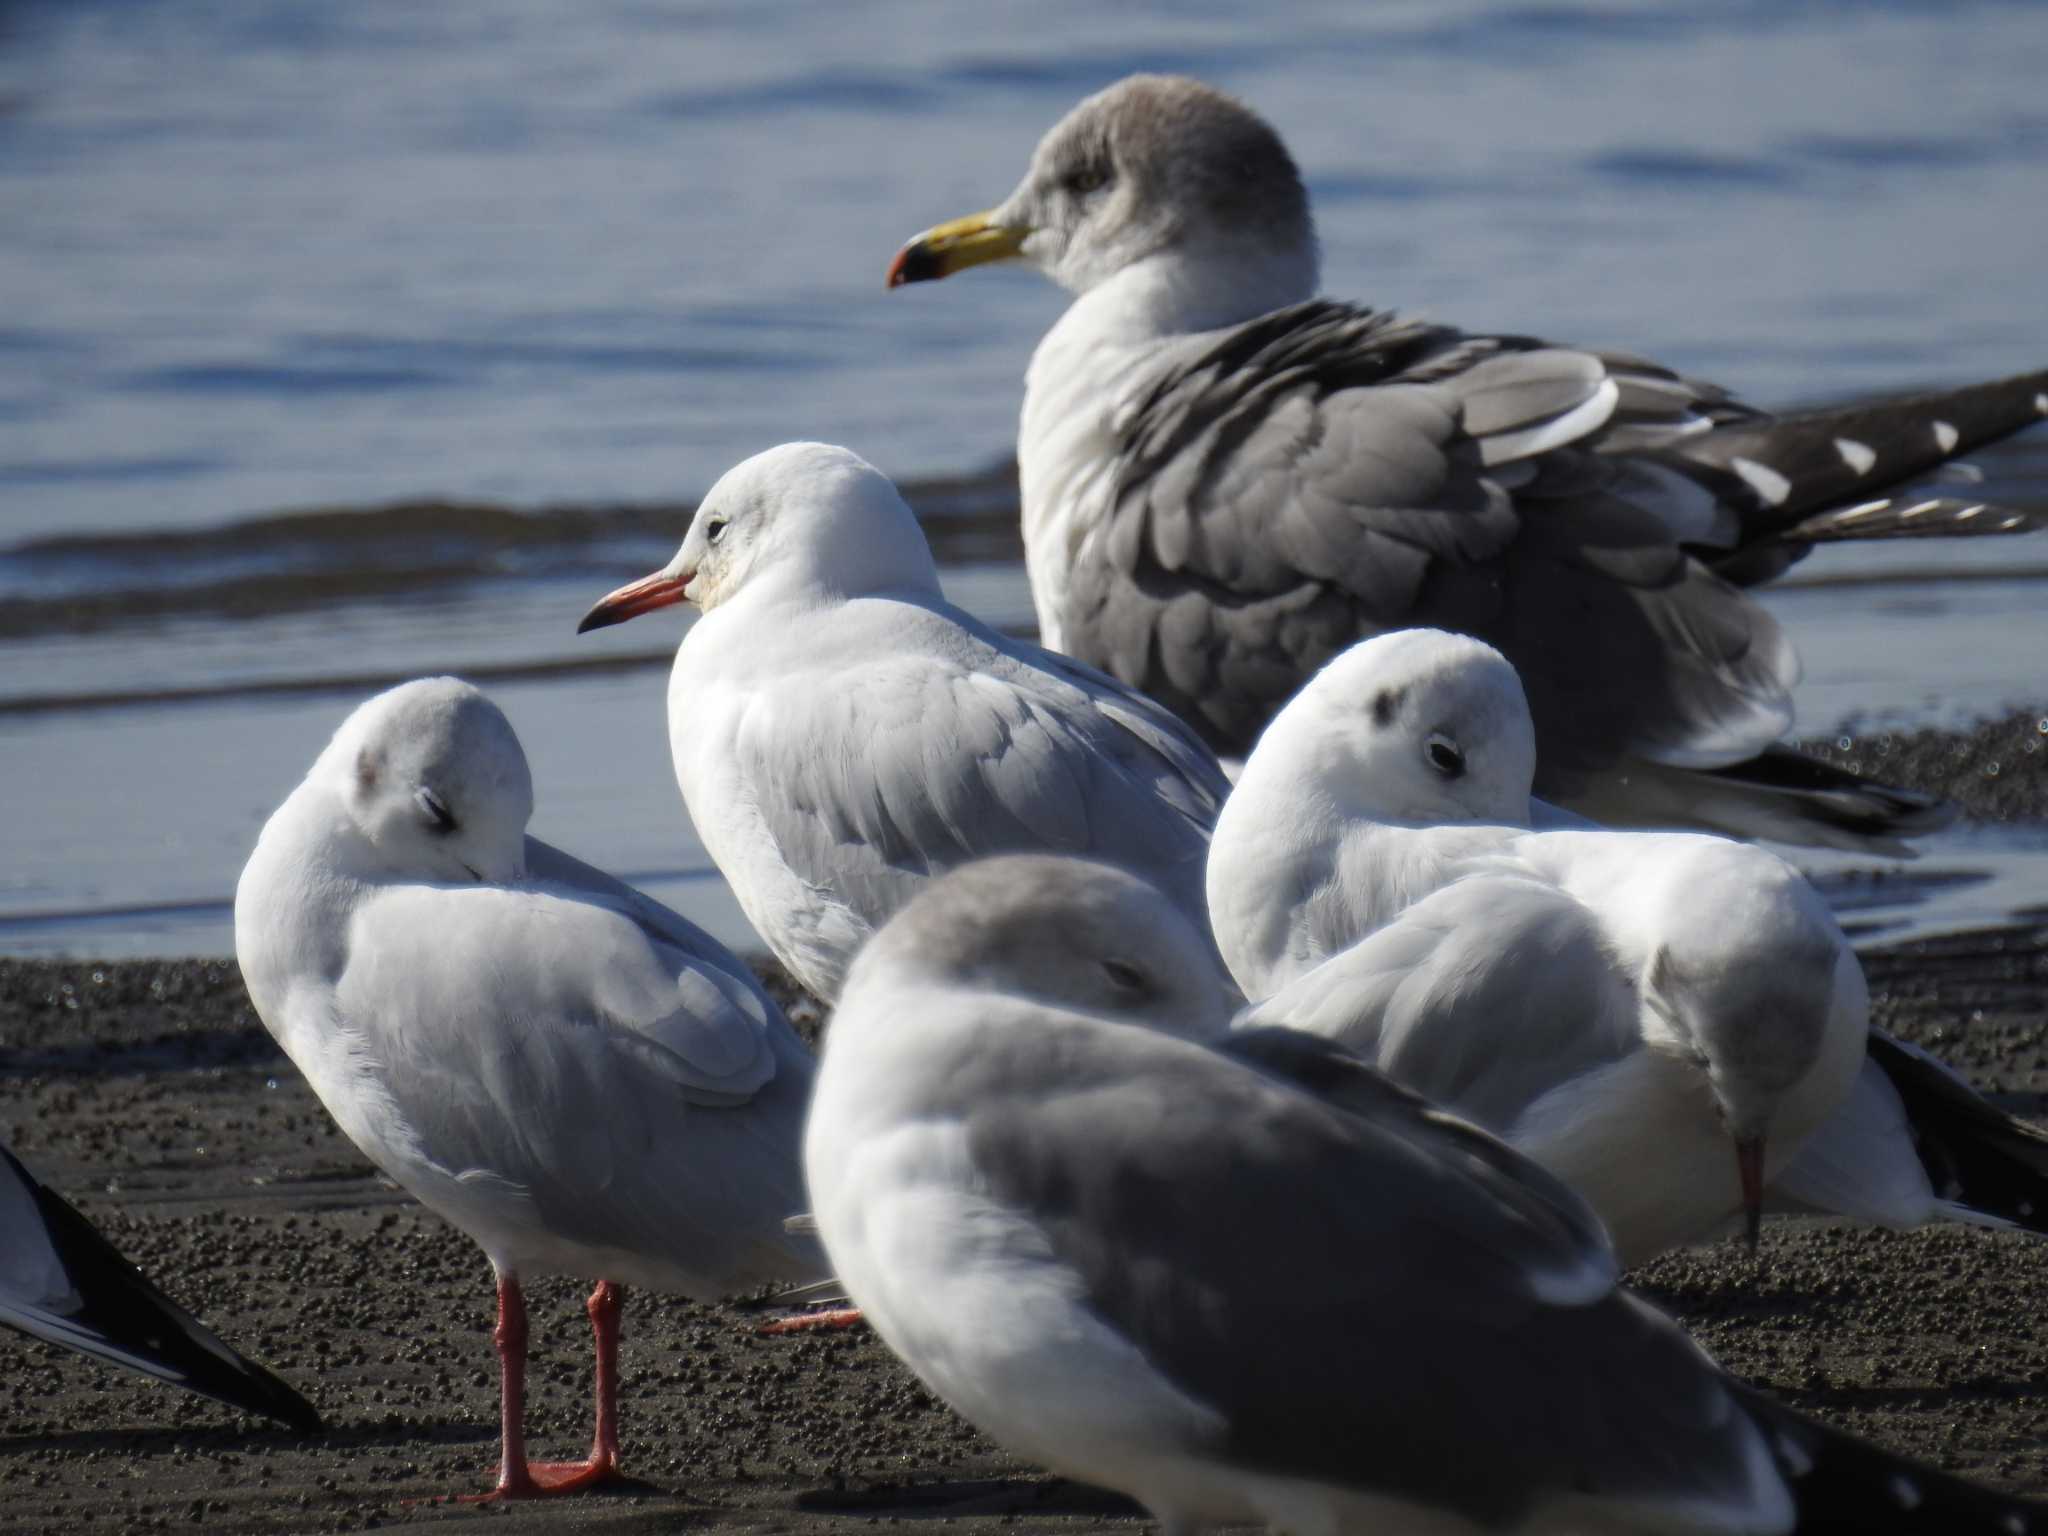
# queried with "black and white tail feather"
point(1843, 1486)
point(1797, 480)
point(1780, 793)
point(107, 1309)
point(1828, 474)
point(1986, 1166)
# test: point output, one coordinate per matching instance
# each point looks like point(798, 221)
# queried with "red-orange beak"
point(660, 590)
point(1749, 1164)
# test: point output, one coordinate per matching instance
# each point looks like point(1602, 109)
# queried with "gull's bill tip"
point(660, 590)
point(1749, 1164)
point(954, 246)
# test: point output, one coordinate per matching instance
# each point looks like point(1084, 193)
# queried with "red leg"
point(510, 1339)
point(517, 1477)
point(607, 1305)
point(812, 1322)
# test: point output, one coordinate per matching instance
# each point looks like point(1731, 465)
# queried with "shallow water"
point(262, 258)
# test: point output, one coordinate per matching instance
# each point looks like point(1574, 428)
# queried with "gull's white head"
point(1752, 983)
point(801, 516)
point(1156, 167)
point(1419, 726)
point(1070, 933)
point(433, 784)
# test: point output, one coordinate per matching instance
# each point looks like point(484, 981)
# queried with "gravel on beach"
point(148, 1094)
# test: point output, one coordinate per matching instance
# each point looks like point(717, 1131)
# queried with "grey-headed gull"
point(61, 1281)
point(573, 1075)
point(1152, 1262)
point(1669, 1021)
point(842, 733)
point(1227, 481)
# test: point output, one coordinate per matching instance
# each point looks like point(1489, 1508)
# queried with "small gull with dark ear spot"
point(1627, 1008)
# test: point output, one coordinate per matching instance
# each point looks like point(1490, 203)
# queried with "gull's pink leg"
point(813, 1322)
point(510, 1339)
point(517, 1477)
point(605, 1305)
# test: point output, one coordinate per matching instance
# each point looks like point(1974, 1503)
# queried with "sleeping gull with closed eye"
point(572, 1074)
point(842, 733)
point(1628, 1008)
point(1227, 480)
point(1153, 1262)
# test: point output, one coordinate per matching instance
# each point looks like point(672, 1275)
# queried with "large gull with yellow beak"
point(1227, 481)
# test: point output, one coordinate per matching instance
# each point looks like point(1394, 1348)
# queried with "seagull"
point(1227, 480)
point(62, 1282)
point(1153, 1262)
point(1624, 1007)
point(842, 733)
point(561, 1067)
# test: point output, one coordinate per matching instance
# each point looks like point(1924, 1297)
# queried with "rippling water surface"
point(343, 343)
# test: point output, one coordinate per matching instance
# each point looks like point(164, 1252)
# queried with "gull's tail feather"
point(1843, 1486)
point(1809, 472)
point(1779, 794)
point(1913, 517)
point(1981, 1161)
point(115, 1314)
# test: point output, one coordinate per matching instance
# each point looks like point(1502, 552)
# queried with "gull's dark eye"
point(1124, 976)
point(439, 818)
point(1087, 179)
point(714, 530)
point(1444, 756)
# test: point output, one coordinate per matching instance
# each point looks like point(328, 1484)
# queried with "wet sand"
point(148, 1093)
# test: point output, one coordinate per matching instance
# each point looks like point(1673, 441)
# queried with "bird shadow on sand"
point(980, 1496)
point(189, 1439)
point(168, 1051)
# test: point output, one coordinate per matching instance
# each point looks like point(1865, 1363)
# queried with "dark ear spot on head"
point(367, 768)
point(1386, 704)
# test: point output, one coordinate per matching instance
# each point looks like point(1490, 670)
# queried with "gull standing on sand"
point(572, 1074)
point(1154, 1264)
point(1227, 481)
point(62, 1282)
point(842, 733)
point(1667, 1021)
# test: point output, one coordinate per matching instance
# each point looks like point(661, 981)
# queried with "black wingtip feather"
point(1914, 517)
point(1891, 441)
point(1843, 1486)
point(1974, 1152)
point(1839, 797)
point(145, 1330)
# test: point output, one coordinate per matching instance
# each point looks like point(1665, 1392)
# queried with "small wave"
point(272, 381)
point(285, 562)
point(355, 684)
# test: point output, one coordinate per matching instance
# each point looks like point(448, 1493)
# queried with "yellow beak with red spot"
point(954, 246)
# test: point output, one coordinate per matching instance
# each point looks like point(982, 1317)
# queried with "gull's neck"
point(294, 900)
point(1268, 862)
point(1085, 370)
point(1177, 293)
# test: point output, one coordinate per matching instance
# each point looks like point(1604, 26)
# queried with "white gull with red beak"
point(842, 734)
